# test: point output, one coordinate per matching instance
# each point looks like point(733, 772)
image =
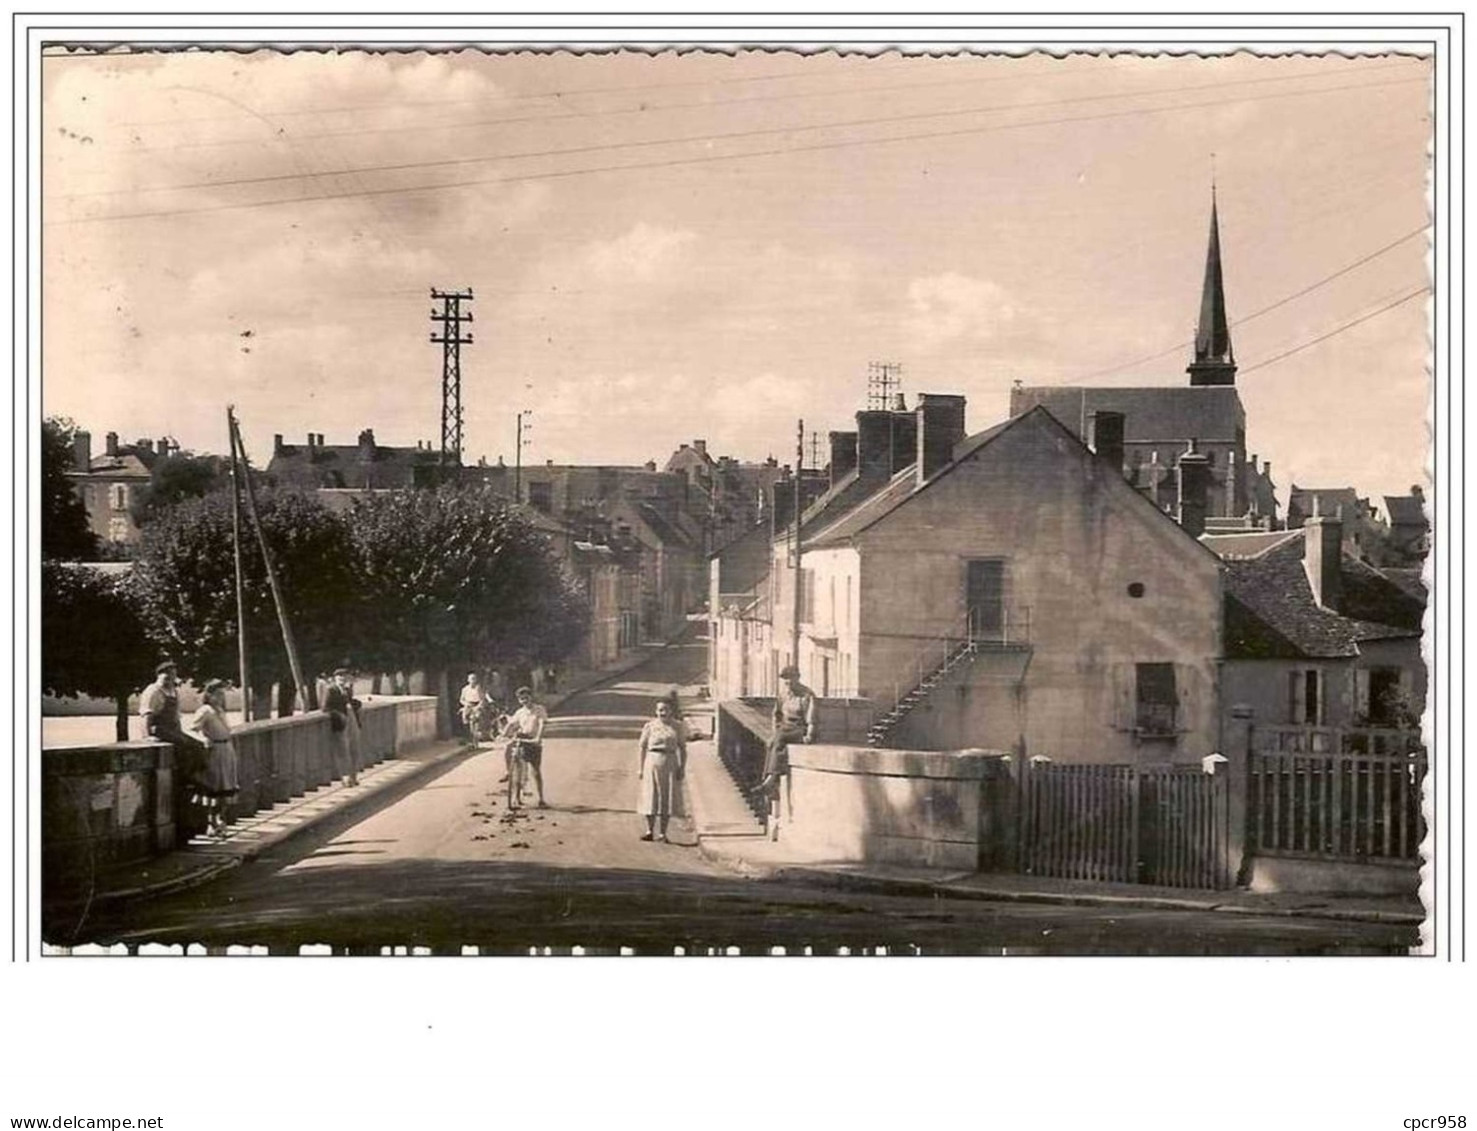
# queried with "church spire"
point(1214, 362)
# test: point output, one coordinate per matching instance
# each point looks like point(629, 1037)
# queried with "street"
point(440, 863)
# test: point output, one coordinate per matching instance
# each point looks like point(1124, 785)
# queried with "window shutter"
point(1123, 686)
point(1321, 691)
point(1297, 708)
point(1361, 696)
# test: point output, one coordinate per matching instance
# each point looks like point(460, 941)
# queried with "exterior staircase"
point(962, 653)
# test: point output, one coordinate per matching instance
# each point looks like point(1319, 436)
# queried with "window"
point(807, 596)
point(117, 529)
point(118, 496)
point(1156, 699)
point(541, 496)
point(984, 598)
point(1305, 697)
point(1380, 698)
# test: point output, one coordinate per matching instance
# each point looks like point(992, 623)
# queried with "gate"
point(1162, 825)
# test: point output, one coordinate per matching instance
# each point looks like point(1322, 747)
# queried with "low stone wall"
point(111, 804)
point(102, 806)
point(863, 804)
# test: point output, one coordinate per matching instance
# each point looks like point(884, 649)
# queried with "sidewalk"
point(202, 860)
point(759, 858)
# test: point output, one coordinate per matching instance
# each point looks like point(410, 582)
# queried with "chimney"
point(312, 439)
point(164, 445)
point(1323, 558)
point(701, 446)
point(650, 465)
point(112, 443)
point(82, 450)
point(1193, 480)
point(874, 444)
point(1105, 437)
point(277, 443)
point(366, 444)
point(843, 455)
point(320, 439)
point(940, 427)
point(900, 404)
point(145, 445)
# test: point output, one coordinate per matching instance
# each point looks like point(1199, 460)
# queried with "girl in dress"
point(662, 758)
point(218, 785)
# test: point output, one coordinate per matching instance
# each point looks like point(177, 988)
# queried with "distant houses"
point(108, 483)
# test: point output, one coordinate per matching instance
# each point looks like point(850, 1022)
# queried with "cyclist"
point(474, 706)
point(526, 728)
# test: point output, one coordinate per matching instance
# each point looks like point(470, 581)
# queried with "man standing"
point(794, 721)
point(526, 725)
point(343, 722)
point(159, 706)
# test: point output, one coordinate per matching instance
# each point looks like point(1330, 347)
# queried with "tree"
point(457, 579)
point(65, 535)
point(175, 478)
point(92, 640)
point(185, 581)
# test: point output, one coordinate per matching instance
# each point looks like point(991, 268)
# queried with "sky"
point(701, 245)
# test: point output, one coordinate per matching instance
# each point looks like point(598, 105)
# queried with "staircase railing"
point(976, 631)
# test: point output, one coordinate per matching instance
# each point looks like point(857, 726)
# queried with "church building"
point(1157, 426)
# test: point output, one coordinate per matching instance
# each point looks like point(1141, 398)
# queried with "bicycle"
point(474, 718)
point(517, 770)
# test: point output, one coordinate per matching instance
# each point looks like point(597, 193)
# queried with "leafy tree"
point(185, 581)
point(175, 478)
point(65, 534)
point(92, 640)
point(455, 580)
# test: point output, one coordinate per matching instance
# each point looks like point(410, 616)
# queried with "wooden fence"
point(1343, 805)
point(1163, 825)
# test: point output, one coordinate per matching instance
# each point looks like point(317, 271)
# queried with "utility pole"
point(518, 445)
point(239, 445)
point(799, 573)
point(236, 476)
point(451, 339)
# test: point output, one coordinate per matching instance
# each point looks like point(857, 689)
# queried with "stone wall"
point(107, 805)
point(862, 804)
point(102, 806)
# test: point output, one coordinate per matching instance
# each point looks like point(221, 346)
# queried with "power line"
point(1421, 290)
point(1176, 348)
point(576, 92)
point(728, 135)
point(646, 109)
point(705, 159)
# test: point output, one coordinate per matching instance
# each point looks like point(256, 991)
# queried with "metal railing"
point(979, 630)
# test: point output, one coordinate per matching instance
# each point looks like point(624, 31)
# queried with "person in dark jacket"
point(343, 721)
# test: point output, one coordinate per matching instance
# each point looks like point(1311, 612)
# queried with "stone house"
point(1008, 590)
point(108, 483)
point(1316, 637)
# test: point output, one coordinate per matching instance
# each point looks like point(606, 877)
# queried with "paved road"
point(442, 864)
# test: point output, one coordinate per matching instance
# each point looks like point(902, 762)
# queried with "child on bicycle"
point(526, 727)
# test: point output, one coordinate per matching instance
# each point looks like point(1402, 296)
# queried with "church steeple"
point(1215, 361)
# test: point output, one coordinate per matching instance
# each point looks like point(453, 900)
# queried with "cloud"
point(954, 308)
point(645, 253)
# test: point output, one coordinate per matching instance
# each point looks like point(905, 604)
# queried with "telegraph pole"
point(799, 573)
point(450, 337)
point(518, 444)
point(236, 475)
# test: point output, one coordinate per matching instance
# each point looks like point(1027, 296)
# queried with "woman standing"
point(221, 779)
point(662, 759)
